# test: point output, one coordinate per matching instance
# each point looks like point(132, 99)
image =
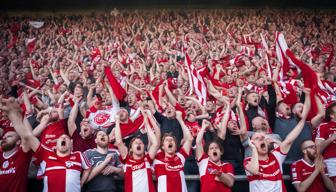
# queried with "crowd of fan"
point(136, 93)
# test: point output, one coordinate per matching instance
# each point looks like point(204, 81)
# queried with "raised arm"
point(253, 165)
point(119, 142)
point(287, 143)
point(64, 76)
point(188, 138)
point(317, 119)
point(154, 143)
point(169, 94)
point(42, 125)
point(153, 122)
point(72, 118)
point(199, 140)
point(115, 101)
point(221, 132)
point(12, 108)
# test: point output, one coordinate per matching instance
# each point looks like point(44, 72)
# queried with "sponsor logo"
point(7, 172)
point(49, 136)
point(306, 173)
point(275, 173)
point(174, 168)
point(5, 164)
point(72, 157)
point(137, 167)
point(52, 158)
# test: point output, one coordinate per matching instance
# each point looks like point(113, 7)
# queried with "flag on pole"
point(196, 80)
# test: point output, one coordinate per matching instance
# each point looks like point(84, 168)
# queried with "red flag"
point(30, 44)
point(118, 91)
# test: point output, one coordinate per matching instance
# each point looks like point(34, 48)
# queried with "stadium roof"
point(108, 4)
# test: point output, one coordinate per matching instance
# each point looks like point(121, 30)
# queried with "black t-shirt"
point(169, 126)
point(233, 149)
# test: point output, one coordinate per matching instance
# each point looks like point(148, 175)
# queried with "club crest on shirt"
point(69, 164)
point(5, 164)
point(101, 118)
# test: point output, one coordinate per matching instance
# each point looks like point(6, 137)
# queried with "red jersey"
point(52, 132)
point(138, 174)
point(301, 170)
point(14, 171)
point(62, 174)
point(270, 173)
point(169, 172)
point(81, 144)
point(324, 131)
point(208, 182)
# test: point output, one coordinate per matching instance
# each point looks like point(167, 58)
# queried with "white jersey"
point(102, 118)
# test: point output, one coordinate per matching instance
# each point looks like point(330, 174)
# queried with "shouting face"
point(64, 144)
point(169, 145)
point(214, 152)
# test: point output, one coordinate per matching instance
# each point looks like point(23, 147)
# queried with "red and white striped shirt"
point(208, 182)
point(138, 174)
point(270, 173)
point(62, 174)
point(169, 172)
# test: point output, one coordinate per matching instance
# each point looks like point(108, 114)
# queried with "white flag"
point(36, 24)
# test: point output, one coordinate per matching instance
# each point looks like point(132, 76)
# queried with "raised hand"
point(10, 105)
point(178, 114)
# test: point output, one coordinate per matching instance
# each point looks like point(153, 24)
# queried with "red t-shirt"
point(324, 131)
point(301, 170)
point(208, 182)
point(14, 171)
point(81, 144)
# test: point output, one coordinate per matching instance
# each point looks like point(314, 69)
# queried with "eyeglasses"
point(310, 147)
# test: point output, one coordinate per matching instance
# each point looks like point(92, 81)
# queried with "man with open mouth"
point(264, 168)
point(84, 138)
point(106, 165)
point(215, 174)
point(169, 162)
point(63, 168)
point(137, 162)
